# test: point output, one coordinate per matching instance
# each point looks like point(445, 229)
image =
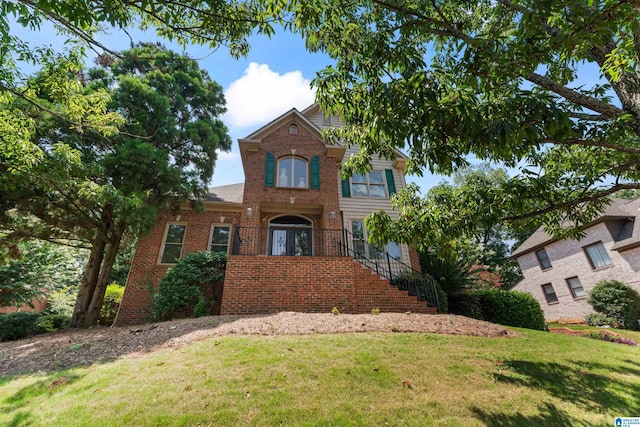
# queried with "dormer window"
point(293, 129)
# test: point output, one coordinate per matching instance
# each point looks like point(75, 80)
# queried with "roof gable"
point(617, 209)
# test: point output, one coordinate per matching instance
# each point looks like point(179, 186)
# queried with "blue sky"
point(273, 78)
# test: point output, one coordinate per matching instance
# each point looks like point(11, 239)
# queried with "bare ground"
point(74, 348)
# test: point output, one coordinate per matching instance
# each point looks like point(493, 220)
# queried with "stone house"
point(560, 273)
point(293, 231)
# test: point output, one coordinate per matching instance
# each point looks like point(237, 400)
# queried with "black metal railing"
point(305, 241)
point(400, 274)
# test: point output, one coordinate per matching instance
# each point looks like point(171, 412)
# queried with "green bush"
point(599, 319)
point(512, 308)
point(14, 326)
point(465, 304)
point(616, 300)
point(51, 323)
point(112, 298)
point(196, 277)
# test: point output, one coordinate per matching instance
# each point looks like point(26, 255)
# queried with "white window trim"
point(213, 226)
point(164, 242)
point(368, 184)
point(292, 173)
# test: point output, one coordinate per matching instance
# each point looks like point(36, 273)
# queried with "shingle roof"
point(232, 193)
point(619, 208)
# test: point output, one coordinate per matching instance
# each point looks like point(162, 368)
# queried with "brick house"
point(560, 273)
point(293, 231)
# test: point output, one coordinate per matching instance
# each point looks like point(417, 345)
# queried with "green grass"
point(634, 335)
point(395, 379)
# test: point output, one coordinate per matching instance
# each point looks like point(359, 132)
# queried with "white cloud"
point(228, 155)
point(261, 95)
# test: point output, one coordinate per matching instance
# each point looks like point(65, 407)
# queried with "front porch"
point(299, 268)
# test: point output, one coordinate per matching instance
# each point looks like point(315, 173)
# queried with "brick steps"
point(260, 285)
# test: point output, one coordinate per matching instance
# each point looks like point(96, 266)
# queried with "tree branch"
point(598, 195)
point(598, 143)
point(570, 95)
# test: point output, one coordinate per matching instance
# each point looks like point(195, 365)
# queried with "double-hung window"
point(549, 293)
point(597, 254)
point(172, 245)
point(369, 185)
point(543, 259)
point(220, 238)
point(577, 291)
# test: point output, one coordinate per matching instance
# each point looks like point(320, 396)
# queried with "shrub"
point(112, 298)
point(513, 308)
point(51, 323)
point(197, 276)
point(14, 326)
point(599, 319)
point(602, 336)
point(465, 304)
point(616, 300)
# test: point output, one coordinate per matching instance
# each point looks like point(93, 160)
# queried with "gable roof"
point(617, 209)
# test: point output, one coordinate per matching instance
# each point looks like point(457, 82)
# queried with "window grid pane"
point(368, 185)
point(173, 244)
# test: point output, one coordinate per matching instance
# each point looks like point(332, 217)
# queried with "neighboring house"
point(292, 230)
point(560, 273)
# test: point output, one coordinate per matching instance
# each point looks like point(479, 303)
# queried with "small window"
point(293, 173)
point(220, 238)
point(576, 287)
point(172, 247)
point(368, 185)
point(543, 259)
point(597, 254)
point(293, 129)
point(549, 293)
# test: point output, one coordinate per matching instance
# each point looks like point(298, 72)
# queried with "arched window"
point(293, 129)
point(293, 172)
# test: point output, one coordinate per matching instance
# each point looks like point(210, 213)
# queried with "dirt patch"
point(73, 348)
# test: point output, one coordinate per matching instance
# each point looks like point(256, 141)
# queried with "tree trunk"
point(92, 314)
point(88, 283)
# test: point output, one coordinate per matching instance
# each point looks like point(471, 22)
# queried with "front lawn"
point(373, 379)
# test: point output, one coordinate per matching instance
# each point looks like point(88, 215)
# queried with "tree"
point(505, 81)
point(35, 268)
point(80, 186)
point(96, 189)
point(468, 238)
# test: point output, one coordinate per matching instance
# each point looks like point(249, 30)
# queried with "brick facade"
point(146, 272)
point(266, 284)
point(568, 259)
point(309, 284)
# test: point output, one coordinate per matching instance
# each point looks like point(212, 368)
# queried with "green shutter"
point(391, 185)
point(269, 170)
point(315, 173)
point(346, 190)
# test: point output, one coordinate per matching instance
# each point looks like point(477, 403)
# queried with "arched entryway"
point(290, 235)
